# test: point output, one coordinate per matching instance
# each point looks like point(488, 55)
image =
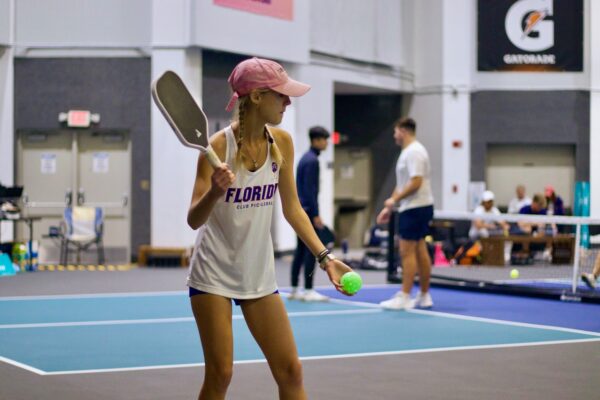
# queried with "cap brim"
point(292, 88)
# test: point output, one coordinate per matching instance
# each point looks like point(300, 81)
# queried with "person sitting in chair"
point(481, 228)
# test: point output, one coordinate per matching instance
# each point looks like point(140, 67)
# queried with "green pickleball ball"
point(351, 282)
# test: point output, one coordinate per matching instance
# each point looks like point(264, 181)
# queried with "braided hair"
point(239, 115)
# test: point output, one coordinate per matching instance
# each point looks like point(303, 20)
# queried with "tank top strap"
point(231, 146)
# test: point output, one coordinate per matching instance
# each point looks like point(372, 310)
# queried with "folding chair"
point(82, 227)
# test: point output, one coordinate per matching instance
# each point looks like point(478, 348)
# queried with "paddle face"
point(183, 114)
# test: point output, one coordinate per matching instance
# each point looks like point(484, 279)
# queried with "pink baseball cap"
point(549, 189)
point(258, 73)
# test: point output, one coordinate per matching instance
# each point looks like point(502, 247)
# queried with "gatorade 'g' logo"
point(527, 27)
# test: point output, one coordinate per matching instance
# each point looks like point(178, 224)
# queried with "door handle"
point(125, 199)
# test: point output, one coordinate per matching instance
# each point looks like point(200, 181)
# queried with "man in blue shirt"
point(537, 207)
point(307, 182)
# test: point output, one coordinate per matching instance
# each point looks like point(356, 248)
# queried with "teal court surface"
point(84, 334)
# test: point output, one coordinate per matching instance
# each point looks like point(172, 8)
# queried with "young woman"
point(232, 207)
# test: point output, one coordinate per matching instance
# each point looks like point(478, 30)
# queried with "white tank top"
point(233, 254)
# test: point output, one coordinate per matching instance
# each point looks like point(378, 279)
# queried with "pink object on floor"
point(439, 259)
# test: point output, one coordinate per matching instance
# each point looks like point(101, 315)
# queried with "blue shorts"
point(413, 224)
point(194, 292)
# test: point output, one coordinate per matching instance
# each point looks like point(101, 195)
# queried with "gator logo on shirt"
point(274, 167)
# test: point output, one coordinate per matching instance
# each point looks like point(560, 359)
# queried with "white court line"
point(503, 322)
point(174, 320)
point(21, 365)
point(147, 294)
point(331, 357)
point(94, 295)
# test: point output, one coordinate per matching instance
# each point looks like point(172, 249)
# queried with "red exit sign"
point(78, 119)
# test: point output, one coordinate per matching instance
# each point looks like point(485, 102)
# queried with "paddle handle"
point(212, 157)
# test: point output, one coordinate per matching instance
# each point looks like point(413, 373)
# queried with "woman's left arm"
point(295, 215)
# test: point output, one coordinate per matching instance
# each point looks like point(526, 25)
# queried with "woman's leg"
point(269, 324)
point(213, 318)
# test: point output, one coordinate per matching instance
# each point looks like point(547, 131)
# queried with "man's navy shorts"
point(413, 224)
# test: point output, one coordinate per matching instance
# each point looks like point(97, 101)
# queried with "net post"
point(576, 257)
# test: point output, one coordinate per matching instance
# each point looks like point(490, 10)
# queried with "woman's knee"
point(219, 375)
point(289, 374)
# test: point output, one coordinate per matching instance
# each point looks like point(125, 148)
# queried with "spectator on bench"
point(537, 207)
point(555, 206)
point(554, 202)
point(481, 228)
point(520, 201)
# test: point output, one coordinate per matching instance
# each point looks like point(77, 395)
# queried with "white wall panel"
point(237, 31)
point(171, 23)
point(369, 31)
point(390, 43)
point(91, 23)
point(6, 14)
point(428, 45)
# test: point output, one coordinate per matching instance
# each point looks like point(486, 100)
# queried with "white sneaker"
point(398, 302)
point(296, 294)
point(313, 295)
point(589, 280)
point(423, 300)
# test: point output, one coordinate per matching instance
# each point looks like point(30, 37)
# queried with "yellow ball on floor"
point(514, 273)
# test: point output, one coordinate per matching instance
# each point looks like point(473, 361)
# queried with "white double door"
point(58, 168)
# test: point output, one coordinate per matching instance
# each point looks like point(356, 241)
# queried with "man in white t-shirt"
point(520, 201)
point(415, 199)
point(480, 228)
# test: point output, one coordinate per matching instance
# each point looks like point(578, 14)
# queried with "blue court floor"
point(99, 333)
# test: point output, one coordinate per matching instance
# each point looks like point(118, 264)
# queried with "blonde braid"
point(276, 153)
point(241, 111)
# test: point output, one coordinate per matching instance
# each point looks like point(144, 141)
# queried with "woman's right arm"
point(210, 184)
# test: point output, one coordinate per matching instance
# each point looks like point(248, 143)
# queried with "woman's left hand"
point(335, 269)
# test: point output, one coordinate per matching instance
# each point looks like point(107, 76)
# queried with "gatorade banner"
point(283, 9)
point(530, 35)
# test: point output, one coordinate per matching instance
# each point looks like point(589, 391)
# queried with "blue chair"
point(82, 228)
